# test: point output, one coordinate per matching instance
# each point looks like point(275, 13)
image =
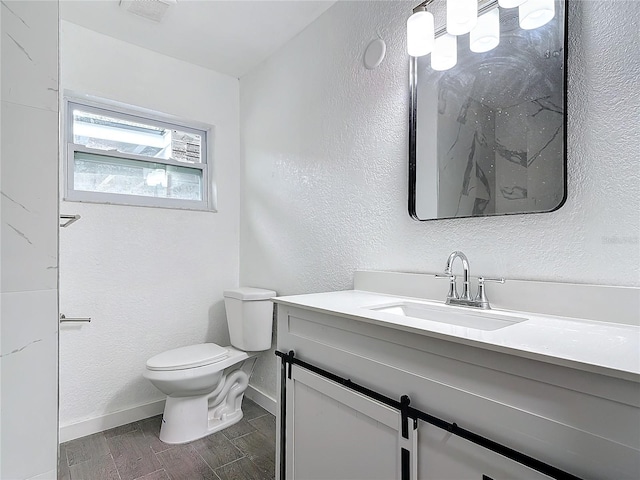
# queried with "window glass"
point(106, 174)
point(130, 156)
point(103, 132)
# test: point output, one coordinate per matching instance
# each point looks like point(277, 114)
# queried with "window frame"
point(136, 114)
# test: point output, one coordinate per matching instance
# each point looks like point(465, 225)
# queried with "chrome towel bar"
point(63, 318)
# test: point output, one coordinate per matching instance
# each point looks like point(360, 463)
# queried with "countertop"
point(601, 347)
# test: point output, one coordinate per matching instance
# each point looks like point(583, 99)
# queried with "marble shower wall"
point(498, 160)
point(29, 240)
point(466, 131)
point(529, 139)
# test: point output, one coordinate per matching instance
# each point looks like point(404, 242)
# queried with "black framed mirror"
point(488, 136)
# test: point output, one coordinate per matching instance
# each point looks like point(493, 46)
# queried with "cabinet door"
point(335, 433)
point(442, 456)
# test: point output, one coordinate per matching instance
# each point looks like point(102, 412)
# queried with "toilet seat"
point(191, 356)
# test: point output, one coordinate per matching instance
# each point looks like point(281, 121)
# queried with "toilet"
point(205, 383)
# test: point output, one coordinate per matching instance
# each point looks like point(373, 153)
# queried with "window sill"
point(137, 205)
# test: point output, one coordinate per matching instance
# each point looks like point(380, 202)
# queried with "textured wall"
point(325, 164)
point(29, 237)
point(150, 278)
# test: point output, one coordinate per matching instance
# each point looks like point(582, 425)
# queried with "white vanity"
point(543, 373)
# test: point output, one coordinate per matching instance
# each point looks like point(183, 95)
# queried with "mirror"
point(488, 136)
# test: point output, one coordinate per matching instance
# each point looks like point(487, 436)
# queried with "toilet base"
point(183, 421)
point(186, 419)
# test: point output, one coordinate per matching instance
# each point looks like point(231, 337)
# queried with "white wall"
point(325, 164)
point(151, 279)
point(29, 238)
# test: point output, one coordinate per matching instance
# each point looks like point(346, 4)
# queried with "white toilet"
point(205, 383)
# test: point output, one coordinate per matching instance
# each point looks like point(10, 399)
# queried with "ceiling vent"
point(151, 9)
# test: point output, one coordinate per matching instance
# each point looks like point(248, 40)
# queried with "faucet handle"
point(453, 290)
point(482, 296)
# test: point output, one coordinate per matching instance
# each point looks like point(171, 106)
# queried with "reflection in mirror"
point(487, 136)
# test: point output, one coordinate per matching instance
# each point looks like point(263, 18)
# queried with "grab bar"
point(63, 318)
point(70, 218)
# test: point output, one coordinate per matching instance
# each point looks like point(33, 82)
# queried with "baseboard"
point(111, 420)
point(262, 399)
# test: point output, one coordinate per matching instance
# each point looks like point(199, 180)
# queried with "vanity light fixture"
point(420, 31)
point(536, 13)
point(486, 35)
point(462, 17)
point(445, 52)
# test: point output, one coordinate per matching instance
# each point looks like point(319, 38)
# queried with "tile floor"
point(244, 451)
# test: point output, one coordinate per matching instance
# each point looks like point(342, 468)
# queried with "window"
point(129, 158)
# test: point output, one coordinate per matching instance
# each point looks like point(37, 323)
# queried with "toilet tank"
point(249, 317)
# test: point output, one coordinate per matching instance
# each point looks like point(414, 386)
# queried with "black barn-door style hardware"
point(407, 412)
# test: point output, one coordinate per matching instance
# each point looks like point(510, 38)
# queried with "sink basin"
point(460, 316)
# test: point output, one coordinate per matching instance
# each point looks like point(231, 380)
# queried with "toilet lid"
point(191, 356)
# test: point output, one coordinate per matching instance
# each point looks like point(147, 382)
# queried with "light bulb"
point(445, 52)
point(510, 3)
point(536, 13)
point(486, 34)
point(462, 16)
point(420, 33)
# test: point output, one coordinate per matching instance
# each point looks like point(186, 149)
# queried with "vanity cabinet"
point(582, 422)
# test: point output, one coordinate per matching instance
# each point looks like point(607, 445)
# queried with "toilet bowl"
point(205, 383)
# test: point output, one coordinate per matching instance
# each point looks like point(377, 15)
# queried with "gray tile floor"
point(244, 451)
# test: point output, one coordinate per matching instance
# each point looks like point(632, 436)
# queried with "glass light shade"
point(462, 16)
point(510, 3)
point(445, 52)
point(536, 13)
point(486, 34)
point(420, 33)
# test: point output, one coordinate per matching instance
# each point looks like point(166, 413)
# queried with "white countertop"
point(601, 347)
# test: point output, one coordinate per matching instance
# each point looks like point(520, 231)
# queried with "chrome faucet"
point(465, 299)
point(465, 278)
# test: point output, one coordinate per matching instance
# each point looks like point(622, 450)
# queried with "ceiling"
point(230, 36)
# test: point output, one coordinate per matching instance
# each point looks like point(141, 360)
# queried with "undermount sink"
point(480, 320)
